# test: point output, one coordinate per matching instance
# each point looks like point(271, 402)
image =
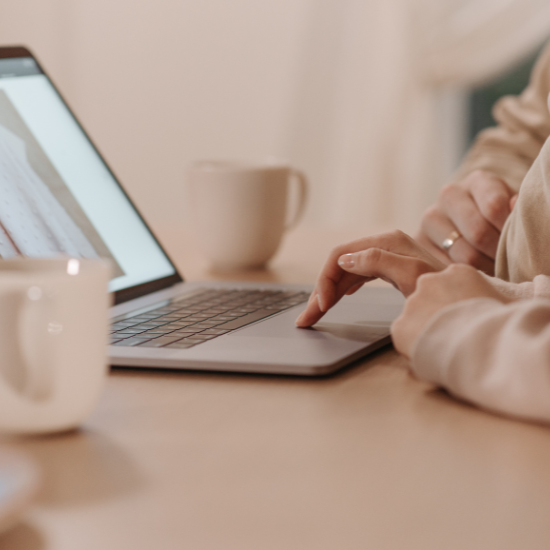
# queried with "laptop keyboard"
point(198, 317)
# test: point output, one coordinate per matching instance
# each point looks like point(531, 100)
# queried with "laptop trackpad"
point(349, 321)
point(276, 345)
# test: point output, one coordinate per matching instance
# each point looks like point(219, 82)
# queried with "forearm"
point(494, 355)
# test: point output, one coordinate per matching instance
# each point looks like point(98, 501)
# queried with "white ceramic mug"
point(240, 211)
point(53, 341)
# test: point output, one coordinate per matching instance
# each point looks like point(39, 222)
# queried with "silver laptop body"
point(50, 155)
point(356, 327)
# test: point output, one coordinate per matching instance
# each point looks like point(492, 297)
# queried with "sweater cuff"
point(435, 346)
point(538, 288)
point(521, 291)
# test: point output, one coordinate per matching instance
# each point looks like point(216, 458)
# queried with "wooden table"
point(367, 459)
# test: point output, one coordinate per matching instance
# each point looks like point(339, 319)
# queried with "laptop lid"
point(58, 194)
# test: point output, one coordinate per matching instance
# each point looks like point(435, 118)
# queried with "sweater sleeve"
point(494, 355)
point(523, 125)
point(539, 287)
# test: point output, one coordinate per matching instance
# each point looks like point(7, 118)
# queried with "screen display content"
point(57, 196)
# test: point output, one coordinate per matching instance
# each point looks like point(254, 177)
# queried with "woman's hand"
point(394, 257)
point(434, 291)
point(477, 207)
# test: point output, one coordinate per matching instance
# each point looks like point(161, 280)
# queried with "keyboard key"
point(155, 344)
point(223, 318)
point(202, 336)
point(131, 342)
point(202, 326)
point(162, 341)
point(193, 341)
point(143, 318)
point(151, 315)
point(246, 320)
point(118, 326)
point(176, 324)
point(216, 332)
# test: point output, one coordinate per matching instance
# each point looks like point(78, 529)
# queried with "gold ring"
point(450, 240)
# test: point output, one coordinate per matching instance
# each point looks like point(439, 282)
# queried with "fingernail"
point(320, 303)
point(347, 260)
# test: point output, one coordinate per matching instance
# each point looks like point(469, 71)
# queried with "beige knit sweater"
point(498, 356)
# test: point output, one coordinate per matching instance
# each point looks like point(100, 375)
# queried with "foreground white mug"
point(53, 340)
point(240, 211)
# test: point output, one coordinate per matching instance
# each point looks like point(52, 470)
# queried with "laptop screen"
point(57, 196)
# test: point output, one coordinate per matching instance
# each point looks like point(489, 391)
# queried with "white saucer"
point(19, 481)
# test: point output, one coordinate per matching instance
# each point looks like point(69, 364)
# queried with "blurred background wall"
point(369, 97)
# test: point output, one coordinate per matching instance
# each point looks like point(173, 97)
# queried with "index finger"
point(333, 282)
point(313, 311)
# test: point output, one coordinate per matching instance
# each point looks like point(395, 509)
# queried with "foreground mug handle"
point(32, 351)
point(302, 183)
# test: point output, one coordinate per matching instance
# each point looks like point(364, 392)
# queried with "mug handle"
point(300, 178)
point(32, 313)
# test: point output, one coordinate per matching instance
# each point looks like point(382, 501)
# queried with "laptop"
point(69, 202)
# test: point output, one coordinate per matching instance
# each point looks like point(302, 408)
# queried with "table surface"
point(367, 459)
